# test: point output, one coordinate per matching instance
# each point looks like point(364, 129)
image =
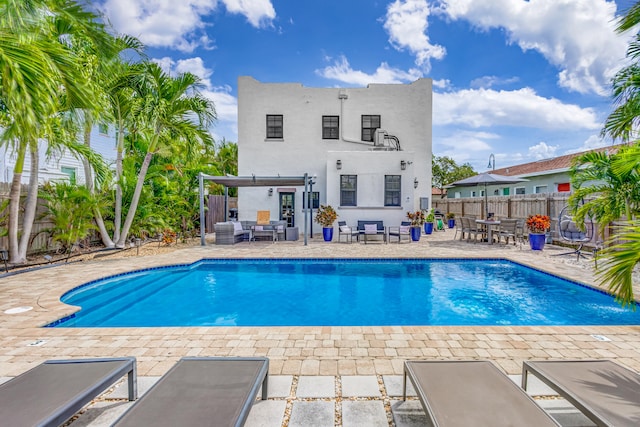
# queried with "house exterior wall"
point(51, 166)
point(405, 112)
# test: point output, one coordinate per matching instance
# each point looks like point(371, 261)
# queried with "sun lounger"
point(199, 391)
point(54, 391)
point(472, 393)
point(607, 393)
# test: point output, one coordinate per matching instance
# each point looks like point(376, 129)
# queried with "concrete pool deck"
point(299, 351)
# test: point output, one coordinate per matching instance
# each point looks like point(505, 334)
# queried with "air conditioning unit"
point(378, 137)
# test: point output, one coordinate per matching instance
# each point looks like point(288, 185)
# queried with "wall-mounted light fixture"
point(338, 164)
point(270, 191)
point(415, 182)
point(403, 165)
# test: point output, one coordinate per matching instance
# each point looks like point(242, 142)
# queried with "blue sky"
point(523, 80)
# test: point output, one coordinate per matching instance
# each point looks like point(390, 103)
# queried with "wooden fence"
point(216, 210)
point(39, 233)
point(513, 206)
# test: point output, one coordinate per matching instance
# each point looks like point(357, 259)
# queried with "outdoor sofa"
point(370, 230)
point(54, 391)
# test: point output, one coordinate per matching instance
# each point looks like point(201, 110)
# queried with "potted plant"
point(537, 225)
point(429, 219)
point(417, 219)
point(326, 216)
point(451, 220)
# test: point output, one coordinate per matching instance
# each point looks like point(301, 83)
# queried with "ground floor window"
point(565, 187)
point(71, 172)
point(315, 199)
point(348, 190)
point(540, 189)
point(519, 190)
point(392, 190)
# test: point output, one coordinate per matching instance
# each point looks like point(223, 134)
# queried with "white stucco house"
point(60, 166)
point(367, 149)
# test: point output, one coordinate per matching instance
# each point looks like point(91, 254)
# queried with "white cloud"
point(179, 24)
point(342, 72)
point(486, 107)
point(542, 151)
point(490, 81)
point(407, 22)
point(578, 37)
point(258, 12)
point(442, 84)
point(594, 141)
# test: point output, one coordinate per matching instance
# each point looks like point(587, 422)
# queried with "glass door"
point(287, 208)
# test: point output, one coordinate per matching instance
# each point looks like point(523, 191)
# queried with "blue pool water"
point(341, 293)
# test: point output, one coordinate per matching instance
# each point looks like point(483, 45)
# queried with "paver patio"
point(350, 357)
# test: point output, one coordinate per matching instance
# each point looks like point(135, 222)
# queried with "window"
point(274, 126)
point(71, 172)
point(519, 190)
point(315, 199)
point(348, 190)
point(330, 127)
point(505, 191)
point(473, 194)
point(565, 187)
point(392, 190)
point(538, 189)
point(369, 126)
point(103, 128)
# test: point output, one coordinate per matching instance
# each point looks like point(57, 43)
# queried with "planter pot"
point(428, 227)
point(536, 241)
point(327, 233)
point(451, 223)
point(415, 234)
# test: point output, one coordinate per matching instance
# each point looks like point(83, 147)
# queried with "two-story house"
point(368, 150)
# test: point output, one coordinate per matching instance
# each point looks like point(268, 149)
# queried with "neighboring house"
point(61, 166)
point(544, 176)
point(369, 149)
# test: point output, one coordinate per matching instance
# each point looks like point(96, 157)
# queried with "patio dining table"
point(489, 224)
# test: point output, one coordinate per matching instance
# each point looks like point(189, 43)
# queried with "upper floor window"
point(369, 125)
point(392, 190)
point(348, 190)
point(274, 126)
point(103, 128)
point(330, 127)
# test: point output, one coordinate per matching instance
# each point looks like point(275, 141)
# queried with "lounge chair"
point(607, 393)
point(347, 231)
point(199, 391)
point(472, 393)
point(54, 391)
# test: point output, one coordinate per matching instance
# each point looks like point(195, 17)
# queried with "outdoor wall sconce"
point(338, 164)
point(270, 191)
point(403, 165)
point(415, 182)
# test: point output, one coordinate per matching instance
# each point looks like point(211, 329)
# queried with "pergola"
point(250, 181)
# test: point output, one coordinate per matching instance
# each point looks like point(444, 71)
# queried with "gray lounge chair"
point(199, 391)
point(472, 393)
point(54, 391)
point(607, 393)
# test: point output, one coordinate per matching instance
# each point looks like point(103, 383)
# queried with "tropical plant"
point(416, 218)
point(70, 207)
point(538, 224)
point(430, 217)
point(167, 111)
point(451, 215)
point(41, 76)
point(326, 216)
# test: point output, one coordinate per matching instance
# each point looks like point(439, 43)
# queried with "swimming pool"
point(341, 292)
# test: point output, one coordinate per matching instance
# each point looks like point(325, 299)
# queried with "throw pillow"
point(257, 228)
point(370, 229)
point(345, 229)
point(404, 229)
point(237, 226)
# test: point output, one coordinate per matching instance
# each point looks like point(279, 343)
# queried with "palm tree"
point(41, 75)
point(167, 111)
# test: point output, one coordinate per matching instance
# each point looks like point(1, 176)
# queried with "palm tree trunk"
point(117, 222)
point(30, 205)
point(14, 206)
point(135, 199)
